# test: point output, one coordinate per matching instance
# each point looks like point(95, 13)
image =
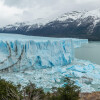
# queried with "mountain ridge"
point(75, 24)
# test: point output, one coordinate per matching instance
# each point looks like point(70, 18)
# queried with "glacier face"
point(19, 52)
point(44, 61)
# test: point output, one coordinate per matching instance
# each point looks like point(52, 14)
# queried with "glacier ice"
point(25, 52)
point(45, 62)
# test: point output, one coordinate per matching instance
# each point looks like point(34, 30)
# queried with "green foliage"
point(8, 91)
point(68, 92)
point(33, 93)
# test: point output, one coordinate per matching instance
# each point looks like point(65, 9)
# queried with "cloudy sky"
point(12, 11)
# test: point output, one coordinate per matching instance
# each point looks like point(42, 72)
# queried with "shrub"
point(8, 91)
point(68, 92)
point(32, 93)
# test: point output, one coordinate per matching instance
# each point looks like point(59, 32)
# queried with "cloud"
point(23, 10)
point(9, 14)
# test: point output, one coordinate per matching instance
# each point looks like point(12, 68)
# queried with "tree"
point(68, 92)
point(32, 93)
point(8, 91)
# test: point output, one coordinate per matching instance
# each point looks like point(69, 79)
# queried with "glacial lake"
point(90, 51)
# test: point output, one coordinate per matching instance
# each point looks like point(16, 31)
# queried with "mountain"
point(85, 24)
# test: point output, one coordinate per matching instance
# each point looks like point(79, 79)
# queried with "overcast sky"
point(12, 11)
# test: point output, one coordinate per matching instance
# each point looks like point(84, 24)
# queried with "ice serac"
point(20, 52)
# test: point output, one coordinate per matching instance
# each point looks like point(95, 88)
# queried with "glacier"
point(45, 62)
point(19, 52)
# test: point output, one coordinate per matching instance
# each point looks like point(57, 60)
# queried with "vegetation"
point(68, 92)
point(8, 91)
point(33, 93)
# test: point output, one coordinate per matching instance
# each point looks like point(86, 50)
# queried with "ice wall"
point(19, 52)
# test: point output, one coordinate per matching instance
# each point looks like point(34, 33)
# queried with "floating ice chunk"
point(78, 83)
point(77, 68)
point(57, 80)
point(87, 88)
point(77, 74)
point(89, 68)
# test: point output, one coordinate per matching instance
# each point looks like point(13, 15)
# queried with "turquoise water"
point(90, 51)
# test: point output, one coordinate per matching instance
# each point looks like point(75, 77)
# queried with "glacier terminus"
point(45, 62)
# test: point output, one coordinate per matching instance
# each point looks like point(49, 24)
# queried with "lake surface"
point(90, 51)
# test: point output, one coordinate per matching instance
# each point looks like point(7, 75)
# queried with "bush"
point(68, 92)
point(32, 93)
point(8, 91)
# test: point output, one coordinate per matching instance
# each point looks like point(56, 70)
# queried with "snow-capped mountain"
point(85, 24)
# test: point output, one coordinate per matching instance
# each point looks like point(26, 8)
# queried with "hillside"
point(75, 24)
